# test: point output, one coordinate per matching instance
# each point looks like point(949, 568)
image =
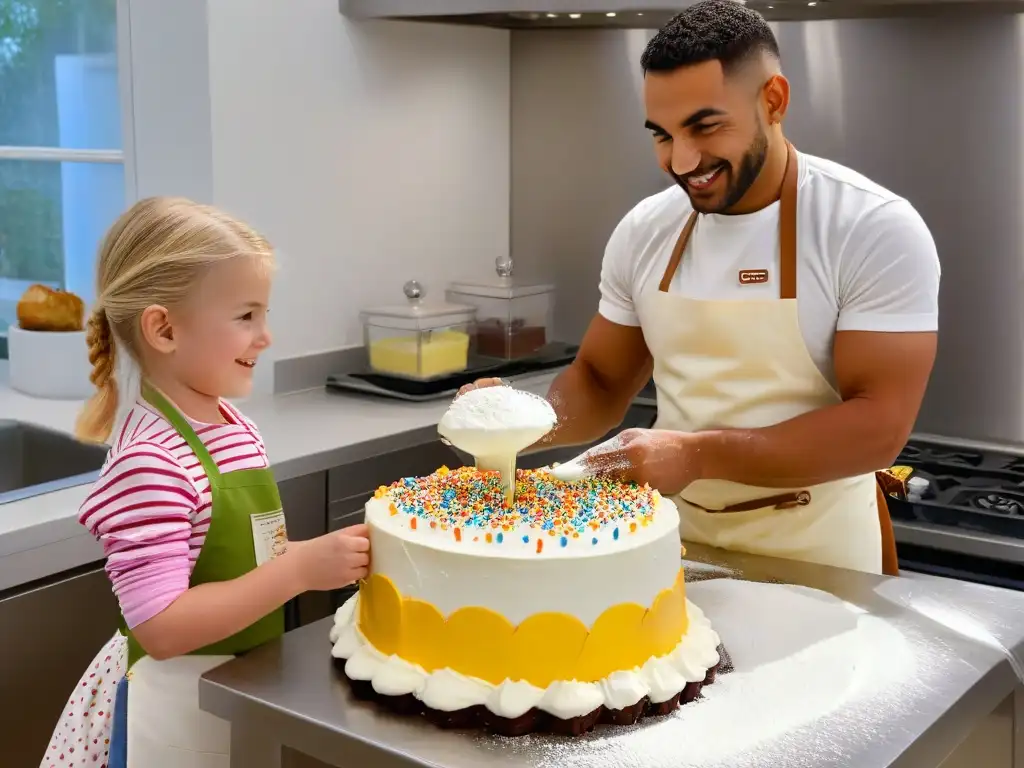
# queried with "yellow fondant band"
point(544, 648)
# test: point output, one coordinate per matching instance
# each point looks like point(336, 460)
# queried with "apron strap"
point(787, 227)
point(677, 253)
point(184, 429)
point(890, 560)
point(787, 234)
point(780, 501)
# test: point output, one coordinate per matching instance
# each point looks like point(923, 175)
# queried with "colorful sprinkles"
point(468, 502)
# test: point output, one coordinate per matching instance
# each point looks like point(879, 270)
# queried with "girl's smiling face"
point(206, 348)
point(222, 329)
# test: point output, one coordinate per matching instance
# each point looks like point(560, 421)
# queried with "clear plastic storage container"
point(418, 340)
point(513, 320)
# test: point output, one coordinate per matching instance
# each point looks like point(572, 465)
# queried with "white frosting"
point(660, 678)
point(512, 579)
point(496, 409)
point(494, 424)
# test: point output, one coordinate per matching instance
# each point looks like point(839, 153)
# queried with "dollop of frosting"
point(660, 678)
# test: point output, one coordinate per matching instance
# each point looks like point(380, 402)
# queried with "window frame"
point(125, 157)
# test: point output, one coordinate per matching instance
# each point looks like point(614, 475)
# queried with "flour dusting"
point(800, 656)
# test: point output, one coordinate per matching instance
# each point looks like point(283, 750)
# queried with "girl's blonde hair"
point(154, 254)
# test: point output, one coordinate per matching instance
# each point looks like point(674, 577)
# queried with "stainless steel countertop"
point(305, 432)
point(289, 693)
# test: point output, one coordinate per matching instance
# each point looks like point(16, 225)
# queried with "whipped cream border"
point(660, 678)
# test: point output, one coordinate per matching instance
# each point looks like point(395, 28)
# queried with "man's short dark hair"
point(710, 30)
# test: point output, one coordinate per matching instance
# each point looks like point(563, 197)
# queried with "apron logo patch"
point(753, 276)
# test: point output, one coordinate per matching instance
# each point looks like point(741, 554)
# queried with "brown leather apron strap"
point(677, 253)
point(890, 560)
point(787, 228)
point(781, 501)
point(787, 234)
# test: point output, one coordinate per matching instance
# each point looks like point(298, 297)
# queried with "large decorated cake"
point(565, 609)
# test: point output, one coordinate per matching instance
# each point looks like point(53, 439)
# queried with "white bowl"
point(54, 366)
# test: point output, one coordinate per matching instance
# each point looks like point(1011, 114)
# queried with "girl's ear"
point(156, 330)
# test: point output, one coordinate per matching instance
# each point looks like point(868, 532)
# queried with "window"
point(62, 171)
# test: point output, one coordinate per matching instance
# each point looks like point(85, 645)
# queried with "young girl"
point(186, 506)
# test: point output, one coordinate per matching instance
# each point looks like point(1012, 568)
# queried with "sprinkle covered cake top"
point(468, 505)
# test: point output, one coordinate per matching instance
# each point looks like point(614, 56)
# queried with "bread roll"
point(44, 309)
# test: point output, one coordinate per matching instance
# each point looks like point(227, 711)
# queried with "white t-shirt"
point(865, 258)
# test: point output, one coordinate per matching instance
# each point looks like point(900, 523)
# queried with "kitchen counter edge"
point(305, 432)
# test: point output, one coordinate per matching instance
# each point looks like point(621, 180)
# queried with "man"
point(787, 306)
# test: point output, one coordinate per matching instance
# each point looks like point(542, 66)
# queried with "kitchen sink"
point(35, 460)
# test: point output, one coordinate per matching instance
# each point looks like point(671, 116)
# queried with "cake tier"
point(573, 549)
point(544, 648)
point(629, 691)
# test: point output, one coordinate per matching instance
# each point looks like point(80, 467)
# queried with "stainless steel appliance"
point(370, 382)
point(635, 14)
point(969, 521)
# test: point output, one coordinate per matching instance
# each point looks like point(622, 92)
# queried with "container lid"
point(917, 484)
point(416, 313)
point(502, 285)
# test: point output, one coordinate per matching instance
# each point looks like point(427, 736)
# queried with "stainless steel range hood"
point(644, 14)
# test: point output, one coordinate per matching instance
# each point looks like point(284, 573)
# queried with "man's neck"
point(767, 187)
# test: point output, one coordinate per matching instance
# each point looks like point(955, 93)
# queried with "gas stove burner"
point(941, 454)
point(910, 452)
point(997, 502)
point(961, 458)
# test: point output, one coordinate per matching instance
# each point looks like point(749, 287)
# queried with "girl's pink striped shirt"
point(150, 507)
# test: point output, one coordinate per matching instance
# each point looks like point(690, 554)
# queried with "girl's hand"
point(207, 613)
point(332, 561)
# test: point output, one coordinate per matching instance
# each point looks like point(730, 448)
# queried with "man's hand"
point(661, 458)
point(592, 395)
point(478, 384)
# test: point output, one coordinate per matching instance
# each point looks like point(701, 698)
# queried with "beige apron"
point(743, 364)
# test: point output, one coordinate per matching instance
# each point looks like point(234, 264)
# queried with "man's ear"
point(775, 96)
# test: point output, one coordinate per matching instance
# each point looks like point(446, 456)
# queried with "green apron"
point(240, 499)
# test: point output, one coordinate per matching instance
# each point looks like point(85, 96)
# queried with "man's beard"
point(750, 167)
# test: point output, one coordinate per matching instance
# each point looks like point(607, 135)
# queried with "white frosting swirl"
point(660, 678)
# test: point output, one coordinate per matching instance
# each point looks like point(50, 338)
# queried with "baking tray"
point(368, 382)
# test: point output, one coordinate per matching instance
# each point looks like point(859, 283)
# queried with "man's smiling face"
point(708, 131)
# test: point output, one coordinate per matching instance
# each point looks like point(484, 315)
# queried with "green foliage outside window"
point(32, 34)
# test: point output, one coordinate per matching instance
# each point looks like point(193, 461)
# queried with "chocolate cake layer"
point(534, 721)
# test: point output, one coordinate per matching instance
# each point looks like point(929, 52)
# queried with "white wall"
point(581, 158)
point(169, 76)
point(369, 154)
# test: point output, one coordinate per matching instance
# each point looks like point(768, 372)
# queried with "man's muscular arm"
point(882, 379)
point(592, 395)
point(883, 354)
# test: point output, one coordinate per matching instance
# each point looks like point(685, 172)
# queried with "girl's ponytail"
point(96, 421)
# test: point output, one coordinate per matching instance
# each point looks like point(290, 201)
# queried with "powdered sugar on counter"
point(801, 657)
